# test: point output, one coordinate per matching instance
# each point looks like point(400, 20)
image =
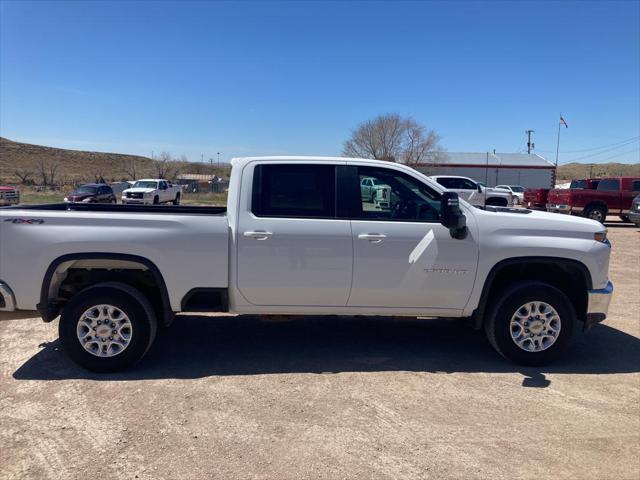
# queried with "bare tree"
point(166, 166)
point(130, 168)
point(47, 170)
point(24, 175)
point(393, 138)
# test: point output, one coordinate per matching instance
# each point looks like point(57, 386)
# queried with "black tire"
point(177, 200)
point(497, 325)
point(125, 298)
point(596, 212)
point(156, 200)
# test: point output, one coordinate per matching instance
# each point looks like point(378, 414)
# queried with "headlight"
point(66, 199)
point(87, 200)
point(600, 236)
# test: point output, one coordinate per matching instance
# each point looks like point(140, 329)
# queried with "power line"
point(595, 148)
point(619, 154)
point(603, 151)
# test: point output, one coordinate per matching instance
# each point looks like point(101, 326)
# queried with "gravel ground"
point(237, 397)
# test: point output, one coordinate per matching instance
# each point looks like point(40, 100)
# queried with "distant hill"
point(585, 170)
point(20, 159)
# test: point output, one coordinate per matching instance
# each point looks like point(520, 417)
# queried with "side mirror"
point(451, 216)
point(479, 188)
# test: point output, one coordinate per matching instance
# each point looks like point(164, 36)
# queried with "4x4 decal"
point(27, 221)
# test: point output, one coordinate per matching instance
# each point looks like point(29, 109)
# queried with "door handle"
point(372, 237)
point(258, 234)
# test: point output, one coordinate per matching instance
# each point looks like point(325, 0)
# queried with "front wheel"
point(107, 327)
point(531, 323)
point(597, 213)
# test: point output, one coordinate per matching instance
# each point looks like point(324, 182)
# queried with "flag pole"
point(555, 170)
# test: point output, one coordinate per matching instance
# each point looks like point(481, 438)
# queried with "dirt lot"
point(233, 397)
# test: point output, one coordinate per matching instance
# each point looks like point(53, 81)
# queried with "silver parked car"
point(634, 212)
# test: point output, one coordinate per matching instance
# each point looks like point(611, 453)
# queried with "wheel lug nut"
point(526, 324)
point(99, 322)
point(94, 329)
point(529, 335)
point(114, 332)
point(526, 330)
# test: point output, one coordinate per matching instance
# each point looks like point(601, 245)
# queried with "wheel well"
point(71, 274)
point(497, 201)
point(596, 204)
point(570, 277)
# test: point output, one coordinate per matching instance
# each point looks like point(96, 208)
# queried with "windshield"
point(517, 188)
point(145, 184)
point(83, 189)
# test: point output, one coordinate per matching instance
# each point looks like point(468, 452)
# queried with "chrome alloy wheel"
point(535, 326)
point(104, 330)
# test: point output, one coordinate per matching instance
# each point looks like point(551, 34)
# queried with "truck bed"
point(188, 245)
point(119, 208)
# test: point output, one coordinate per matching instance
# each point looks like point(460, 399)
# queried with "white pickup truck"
point(297, 238)
point(475, 193)
point(152, 191)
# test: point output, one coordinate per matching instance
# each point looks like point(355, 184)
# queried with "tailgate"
point(559, 197)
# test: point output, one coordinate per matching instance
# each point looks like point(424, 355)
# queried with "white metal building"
point(528, 170)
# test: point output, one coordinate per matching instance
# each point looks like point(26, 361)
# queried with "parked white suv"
point(152, 191)
point(297, 238)
point(473, 192)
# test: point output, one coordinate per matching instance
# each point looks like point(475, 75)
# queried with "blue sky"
point(296, 77)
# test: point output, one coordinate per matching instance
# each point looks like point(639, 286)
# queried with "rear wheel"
point(531, 323)
point(107, 327)
point(596, 212)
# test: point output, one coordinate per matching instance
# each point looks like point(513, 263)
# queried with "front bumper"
point(558, 208)
point(7, 300)
point(598, 305)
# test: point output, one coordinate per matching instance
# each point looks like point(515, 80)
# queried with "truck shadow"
point(200, 346)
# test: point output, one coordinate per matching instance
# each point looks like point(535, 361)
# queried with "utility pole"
point(218, 159)
point(530, 146)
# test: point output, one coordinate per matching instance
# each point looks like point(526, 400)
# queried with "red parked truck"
point(612, 196)
point(538, 198)
point(9, 196)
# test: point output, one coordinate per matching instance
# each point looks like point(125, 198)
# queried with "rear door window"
point(612, 185)
point(451, 183)
point(635, 186)
point(299, 191)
